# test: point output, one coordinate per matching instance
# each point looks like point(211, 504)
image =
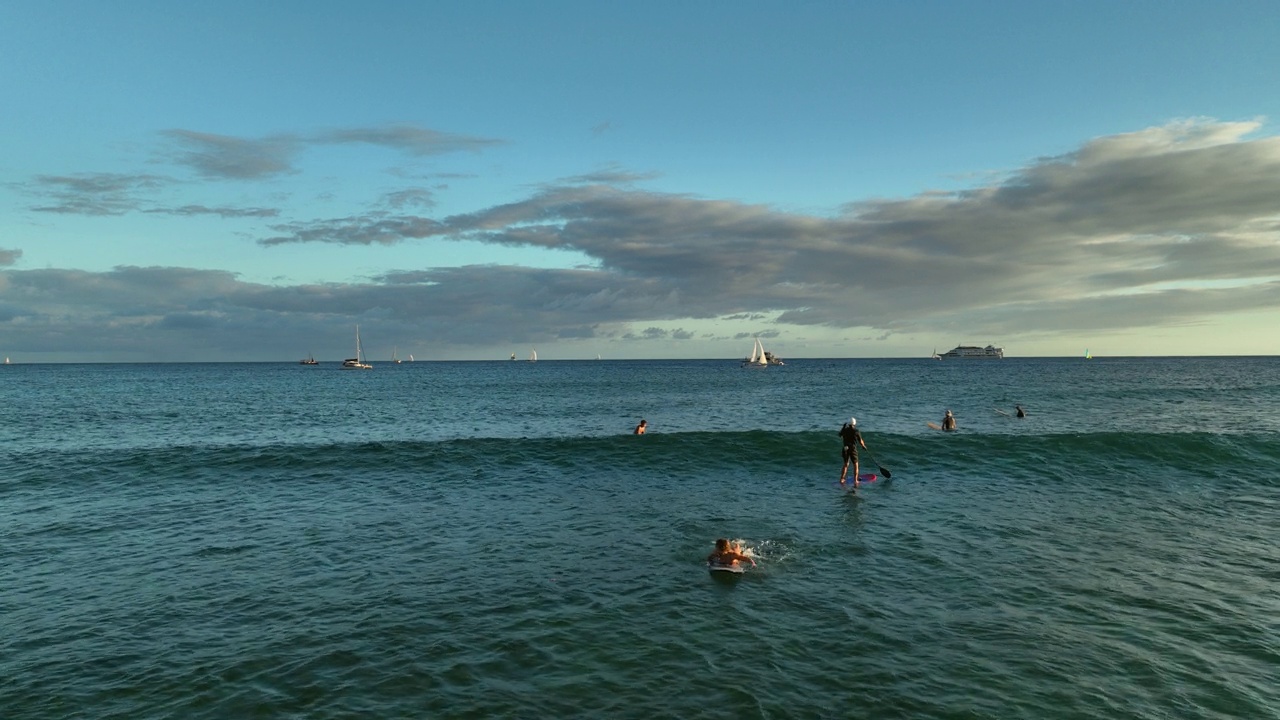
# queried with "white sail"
point(757, 359)
point(533, 356)
point(357, 362)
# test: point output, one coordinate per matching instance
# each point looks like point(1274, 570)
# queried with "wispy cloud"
point(227, 157)
point(222, 212)
point(94, 193)
point(99, 194)
point(407, 138)
point(413, 197)
point(9, 257)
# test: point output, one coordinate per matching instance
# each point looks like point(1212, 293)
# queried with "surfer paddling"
point(852, 440)
point(727, 555)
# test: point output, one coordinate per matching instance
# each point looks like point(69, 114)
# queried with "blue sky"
point(248, 181)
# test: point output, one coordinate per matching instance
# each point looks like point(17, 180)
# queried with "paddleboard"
point(736, 569)
point(862, 477)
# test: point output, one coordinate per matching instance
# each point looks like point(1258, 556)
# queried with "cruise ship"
point(973, 351)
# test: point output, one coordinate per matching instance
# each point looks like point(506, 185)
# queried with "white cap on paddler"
point(853, 422)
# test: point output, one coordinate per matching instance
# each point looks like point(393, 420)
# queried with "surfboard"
point(1002, 412)
point(863, 478)
point(737, 569)
point(933, 426)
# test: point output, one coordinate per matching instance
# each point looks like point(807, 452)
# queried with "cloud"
point(226, 157)
point(94, 193)
point(1150, 215)
point(9, 257)
point(1170, 226)
point(610, 176)
point(413, 197)
point(102, 194)
point(375, 228)
point(222, 212)
point(410, 139)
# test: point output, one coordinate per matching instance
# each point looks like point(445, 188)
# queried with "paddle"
point(883, 470)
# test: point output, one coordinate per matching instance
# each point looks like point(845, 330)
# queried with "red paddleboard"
point(862, 478)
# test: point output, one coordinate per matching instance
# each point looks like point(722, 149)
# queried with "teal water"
point(488, 540)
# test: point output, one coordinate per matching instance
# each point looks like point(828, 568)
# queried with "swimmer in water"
point(728, 555)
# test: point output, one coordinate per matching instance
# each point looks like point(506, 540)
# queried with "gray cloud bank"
point(1167, 226)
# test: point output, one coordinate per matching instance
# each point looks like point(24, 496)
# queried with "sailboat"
point(356, 363)
point(1088, 355)
point(410, 357)
point(533, 357)
point(309, 360)
point(513, 356)
point(394, 359)
point(757, 359)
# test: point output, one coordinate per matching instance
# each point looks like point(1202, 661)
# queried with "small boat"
point(394, 359)
point(513, 356)
point(935, 355)
point(356, 363)
point(309, 360)
point(410, 357)
point(1088, 355)
point(758, 357)
point(971, 352)
point(533, 357)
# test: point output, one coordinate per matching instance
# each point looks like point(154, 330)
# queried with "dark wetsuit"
point(852, 440)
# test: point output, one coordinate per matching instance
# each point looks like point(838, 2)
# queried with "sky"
point(248, 181)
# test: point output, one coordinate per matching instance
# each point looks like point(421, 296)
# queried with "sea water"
point(489, 539)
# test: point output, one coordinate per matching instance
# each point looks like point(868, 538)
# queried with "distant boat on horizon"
point(356, 363)
point(533, 356)
point(1088, 355)
point(758, 357)
point(975, 352)
point(309, 360)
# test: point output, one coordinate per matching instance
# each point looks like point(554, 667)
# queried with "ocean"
point(489, 540)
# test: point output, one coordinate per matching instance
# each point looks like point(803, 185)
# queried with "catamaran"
point(356, 363)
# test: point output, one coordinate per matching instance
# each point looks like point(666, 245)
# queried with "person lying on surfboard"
point(726, 554)
point(852, 440)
